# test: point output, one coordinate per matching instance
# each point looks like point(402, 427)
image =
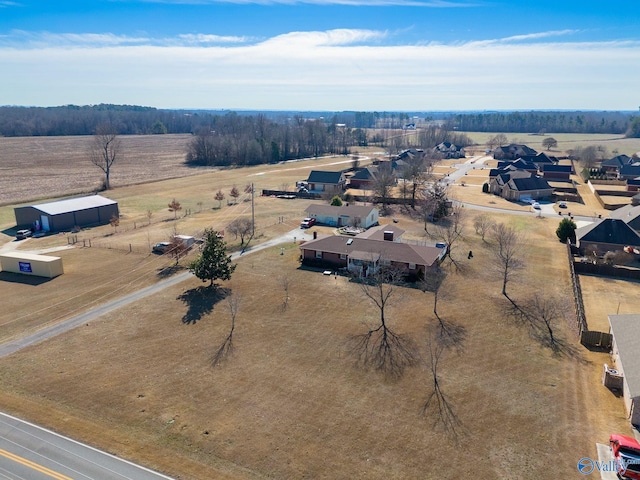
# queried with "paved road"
point(66, 325)
point(30, 452)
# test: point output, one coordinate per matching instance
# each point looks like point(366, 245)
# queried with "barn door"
point(44, 221)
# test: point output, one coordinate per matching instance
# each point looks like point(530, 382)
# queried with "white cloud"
point(334, 70)
point(202, 39)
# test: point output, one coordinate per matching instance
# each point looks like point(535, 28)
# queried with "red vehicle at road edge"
point(626, 452)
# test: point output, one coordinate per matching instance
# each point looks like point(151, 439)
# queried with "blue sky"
point(384, 55)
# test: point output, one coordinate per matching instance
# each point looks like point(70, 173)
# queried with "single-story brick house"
point(346, 215)
point(532, 187)
point(363, 256)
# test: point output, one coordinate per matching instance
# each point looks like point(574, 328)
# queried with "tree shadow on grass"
point(170, 270)
point(201, 301)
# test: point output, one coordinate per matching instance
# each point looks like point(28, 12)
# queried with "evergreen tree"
point(566, 229)
point(213, 263)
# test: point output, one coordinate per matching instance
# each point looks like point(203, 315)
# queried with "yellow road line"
point(34, 466)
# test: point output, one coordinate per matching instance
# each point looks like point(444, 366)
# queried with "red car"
point(626, 452)
point(308, 222)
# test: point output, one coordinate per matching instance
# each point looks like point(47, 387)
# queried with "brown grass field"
point(291, 400)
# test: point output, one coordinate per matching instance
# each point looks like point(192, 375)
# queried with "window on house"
point(385, 262)
point(318, 254)
point(412, 266)
point(343, 256)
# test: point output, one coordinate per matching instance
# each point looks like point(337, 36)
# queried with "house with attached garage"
point(365, 256)
point(346, 215)
point(320, 181)
point(532, 187)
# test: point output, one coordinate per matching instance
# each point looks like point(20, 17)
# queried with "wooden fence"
point(588, 338)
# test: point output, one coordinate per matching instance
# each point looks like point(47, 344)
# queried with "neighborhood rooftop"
point(626, 330)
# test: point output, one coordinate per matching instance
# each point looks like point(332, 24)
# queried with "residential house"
point(364, 178)
point(410, 154)
point(608, 234)
point(383, 232)
point(364, 256)
point(449, 150)
point(625, 353)
point(513, 152)
point(521, 165)
point(629, 214)
point(532, 187)
point(613, 165)
point(629, 171)
point(551, 171)
point(321, 181)
point(633, 184)
point(346, 215)
point(498, 178)
point(540, 159)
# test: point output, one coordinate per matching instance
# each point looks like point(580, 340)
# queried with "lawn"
point(291, 401)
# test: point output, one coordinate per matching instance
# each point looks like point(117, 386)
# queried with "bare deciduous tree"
point(382, 186)
point(450, 230)
point(483, 224)
point(219, 197)
point(234, 193)
point(105, 150)
point(149, 215)
point(114, 221)
point(175, 207)
point(507, 247)
point(242, 227)
point(285, 283)
point(545, 312)
point(177, 248)
point(381, 348)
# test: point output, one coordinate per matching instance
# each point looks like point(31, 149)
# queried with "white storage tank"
point(31, 264)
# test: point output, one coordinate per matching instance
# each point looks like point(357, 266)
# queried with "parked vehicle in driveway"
point(626, 453)
point(308, 222)
point(562, 204)
point(22, 234)
point(536, 205)
point(161, 247)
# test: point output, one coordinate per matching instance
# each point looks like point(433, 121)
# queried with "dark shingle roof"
point(609, 230)
point(321, 176)
point(528, 184)
point(549, 167)
point(617, 161)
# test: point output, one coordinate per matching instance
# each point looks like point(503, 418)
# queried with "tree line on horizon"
point(618, 123)
point(139, 120)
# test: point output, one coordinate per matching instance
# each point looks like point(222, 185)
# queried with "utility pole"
point(253, 213)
